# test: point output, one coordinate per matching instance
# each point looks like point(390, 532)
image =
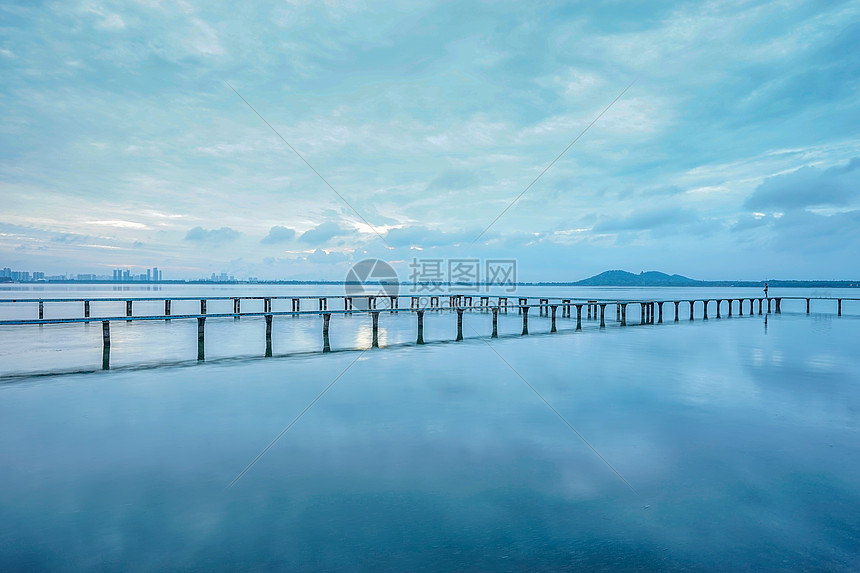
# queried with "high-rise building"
point(117, 275)
point(126, 275)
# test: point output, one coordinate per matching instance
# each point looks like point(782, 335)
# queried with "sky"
point(411, 126)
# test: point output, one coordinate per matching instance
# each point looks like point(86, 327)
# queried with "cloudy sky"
point(735, 154)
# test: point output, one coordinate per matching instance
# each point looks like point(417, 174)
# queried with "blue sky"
point(735, 154)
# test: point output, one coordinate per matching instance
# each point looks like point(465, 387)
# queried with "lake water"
point(738, 439)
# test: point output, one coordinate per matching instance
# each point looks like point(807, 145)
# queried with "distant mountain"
point(643, 279)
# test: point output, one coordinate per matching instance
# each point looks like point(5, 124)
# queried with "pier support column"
point(347, 304)
point(525, 311)
point(839, 307)
point(677, 303)
point(203, 306)
point(495, 322)
point(237, 307)
point(459, 324)
point(420, 327)
point(268, 336)
point(705, 316)
point(553, 308)
point(522, 303)
point(778, 305)
point(730, 307)
point(105, 345)
point(565, 310)
point(128, 308)
point(167, 309)
point(642, 312)
point(296, 304)
point(395, 303)
point(719, 302)
point(589, 311)
point(326, 321)
point(602, 316)
point(41, 310)
point(768, 306)
point(503, 303)
point(579, 317)
point(617, 312)
point(692, 302)
point(323, 303)
point(759, 306)
point(201, 322)
point(86, 309)
point(544, 311)
point(623, 314)
point(660, 313)
point(375, 342)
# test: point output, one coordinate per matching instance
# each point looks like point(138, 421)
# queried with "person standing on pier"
point(765, 290)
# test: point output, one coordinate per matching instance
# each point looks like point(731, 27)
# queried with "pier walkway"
point(651, 311)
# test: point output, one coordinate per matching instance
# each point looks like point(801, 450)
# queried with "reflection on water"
point(743, 446)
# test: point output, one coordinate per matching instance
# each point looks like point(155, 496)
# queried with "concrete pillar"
point(434, 302)
point(778, 305)
point(420, 327)
point(86, 309)
point(623, 314)
point(565, 311)
point(588, 307)
point(525, 311)
point(579, 317)
point(503, 303)
point(166, 308)
point(660, 312)
point(268, 335)
point(201, 322)
point(41, 310)
point(522, 302)
point(768, 306)
point(128, 308)
point(642, 313)
point(459, 324)
point(543, 308)
point(602, 315)
point(839, 307)
point(759, 306)
point(691, 309)
point(297, 304)
point(719, 302)
point(203, 306)
point(730, 307)
point(705, 316)
point(105, 345)
point(395, 302)
point(375, 343)
point(495, 322)
point(617, 312)
point(677, 303)
point(553, 308)
point(326, 321)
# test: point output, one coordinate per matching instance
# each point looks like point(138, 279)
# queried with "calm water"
point(740, 439)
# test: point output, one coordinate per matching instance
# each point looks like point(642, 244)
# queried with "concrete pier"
point(237, 306)
point(434, 302)
point(323, 304)
point(201, 327)
point(128, 308)
point(105, 345)
point(375, 342)
point(677, 304)
point(86, 309)
point(602, 316)
point(326, 321)
point(420, 327)
point(705, 316)
point(730, 307)
point(623, 314)
point(297, 305)
point(459, 324)
point(268, 336)
point(643, 318)
point(543, 302)
point(167, 308)
point(565, 309)
point(617, 312)
point(203, 306)
point(503, 303)
point(579, 317)
point(807, 306)
point(719, 302)
point(552, 328)
point(778, 305)
point(495, 333)
point(691, 308)
point(839, 307)
point(525, 311)
point(660, 311)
